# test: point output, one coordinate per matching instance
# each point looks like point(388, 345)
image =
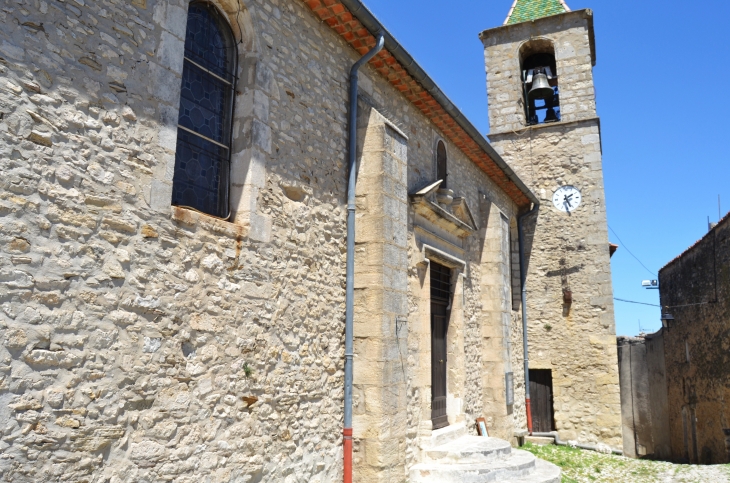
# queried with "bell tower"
point(543, 120)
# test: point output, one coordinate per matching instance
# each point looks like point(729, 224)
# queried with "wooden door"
point(440, 301)
point(541, 400)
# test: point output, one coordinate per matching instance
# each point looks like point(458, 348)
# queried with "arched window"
point(202, 159)
point(540, 82)
point(441, 164)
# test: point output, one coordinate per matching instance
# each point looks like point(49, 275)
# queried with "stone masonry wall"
point(576, 341)
point(142, 343)
point(145, 345)
point(696, 348)
point(381, 305)
point(564, 252)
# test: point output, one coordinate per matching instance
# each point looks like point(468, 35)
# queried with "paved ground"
point(590, 467)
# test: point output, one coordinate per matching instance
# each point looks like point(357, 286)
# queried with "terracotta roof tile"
point(341, 20)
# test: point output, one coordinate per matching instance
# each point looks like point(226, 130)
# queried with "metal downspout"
point(350, 291)
point(370, 22)
point(523, 288)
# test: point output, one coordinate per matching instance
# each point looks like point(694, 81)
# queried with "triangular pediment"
point(458, 221)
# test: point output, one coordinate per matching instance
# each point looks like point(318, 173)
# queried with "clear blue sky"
point(661, 68)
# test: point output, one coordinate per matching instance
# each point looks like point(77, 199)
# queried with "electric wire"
point(627, 249)
point(666, 307)
point(634, 302)
point(690, 305)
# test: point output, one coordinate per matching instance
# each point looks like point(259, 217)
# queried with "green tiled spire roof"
point(526, 10)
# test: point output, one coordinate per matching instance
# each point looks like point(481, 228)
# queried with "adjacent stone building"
point(644, 403)
point(695, 291)
point(543, 119)
point(674, 383)
point(172, 250)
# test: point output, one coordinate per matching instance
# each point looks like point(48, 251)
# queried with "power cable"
point(634, 302)
point(668, 306)
point(627, 249)
point(690, 305)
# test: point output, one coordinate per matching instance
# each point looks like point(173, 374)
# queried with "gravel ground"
point(581, 466)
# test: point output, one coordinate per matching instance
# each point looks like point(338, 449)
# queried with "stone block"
point(161, 196)
point(607, 380)
point(261, 134)
point(395, 279)
point(608, 420)
point(260, 228)
point(164, 84)
point(170, 52)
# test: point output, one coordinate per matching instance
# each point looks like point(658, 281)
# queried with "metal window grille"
point(440, 282)
point(203, 153)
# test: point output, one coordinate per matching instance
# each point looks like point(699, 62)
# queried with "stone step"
point(544, 473)
point(447, 434)
point(517, 465)
point(470, 449)
point(541, 440)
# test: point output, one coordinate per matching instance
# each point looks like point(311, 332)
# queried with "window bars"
point(440, 282)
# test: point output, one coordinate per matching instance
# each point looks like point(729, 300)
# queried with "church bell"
point(541, 88)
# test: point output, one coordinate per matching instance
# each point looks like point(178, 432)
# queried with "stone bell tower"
point(542, 113)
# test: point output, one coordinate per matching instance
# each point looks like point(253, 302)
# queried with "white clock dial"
point(567, 199)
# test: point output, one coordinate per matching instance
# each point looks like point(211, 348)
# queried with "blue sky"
point(661, 67)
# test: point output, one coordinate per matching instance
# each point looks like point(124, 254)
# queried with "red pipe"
point(528, 408)
point(347, 448)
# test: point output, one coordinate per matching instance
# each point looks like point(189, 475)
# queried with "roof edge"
point(369, 21)
point(509, 14)
point(722, 221)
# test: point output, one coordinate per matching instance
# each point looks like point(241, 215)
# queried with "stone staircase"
point(454, 456)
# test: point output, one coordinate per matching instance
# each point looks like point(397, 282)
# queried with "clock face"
point(567, 199)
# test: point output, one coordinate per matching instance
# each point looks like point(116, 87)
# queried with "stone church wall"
point(143, 343)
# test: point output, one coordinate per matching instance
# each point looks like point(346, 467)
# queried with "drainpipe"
point(350, 292)
point(523, 287)
point(370, 22)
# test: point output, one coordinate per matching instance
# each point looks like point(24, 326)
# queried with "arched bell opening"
point(540, 82)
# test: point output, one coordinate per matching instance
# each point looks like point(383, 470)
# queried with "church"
point(253, 241)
